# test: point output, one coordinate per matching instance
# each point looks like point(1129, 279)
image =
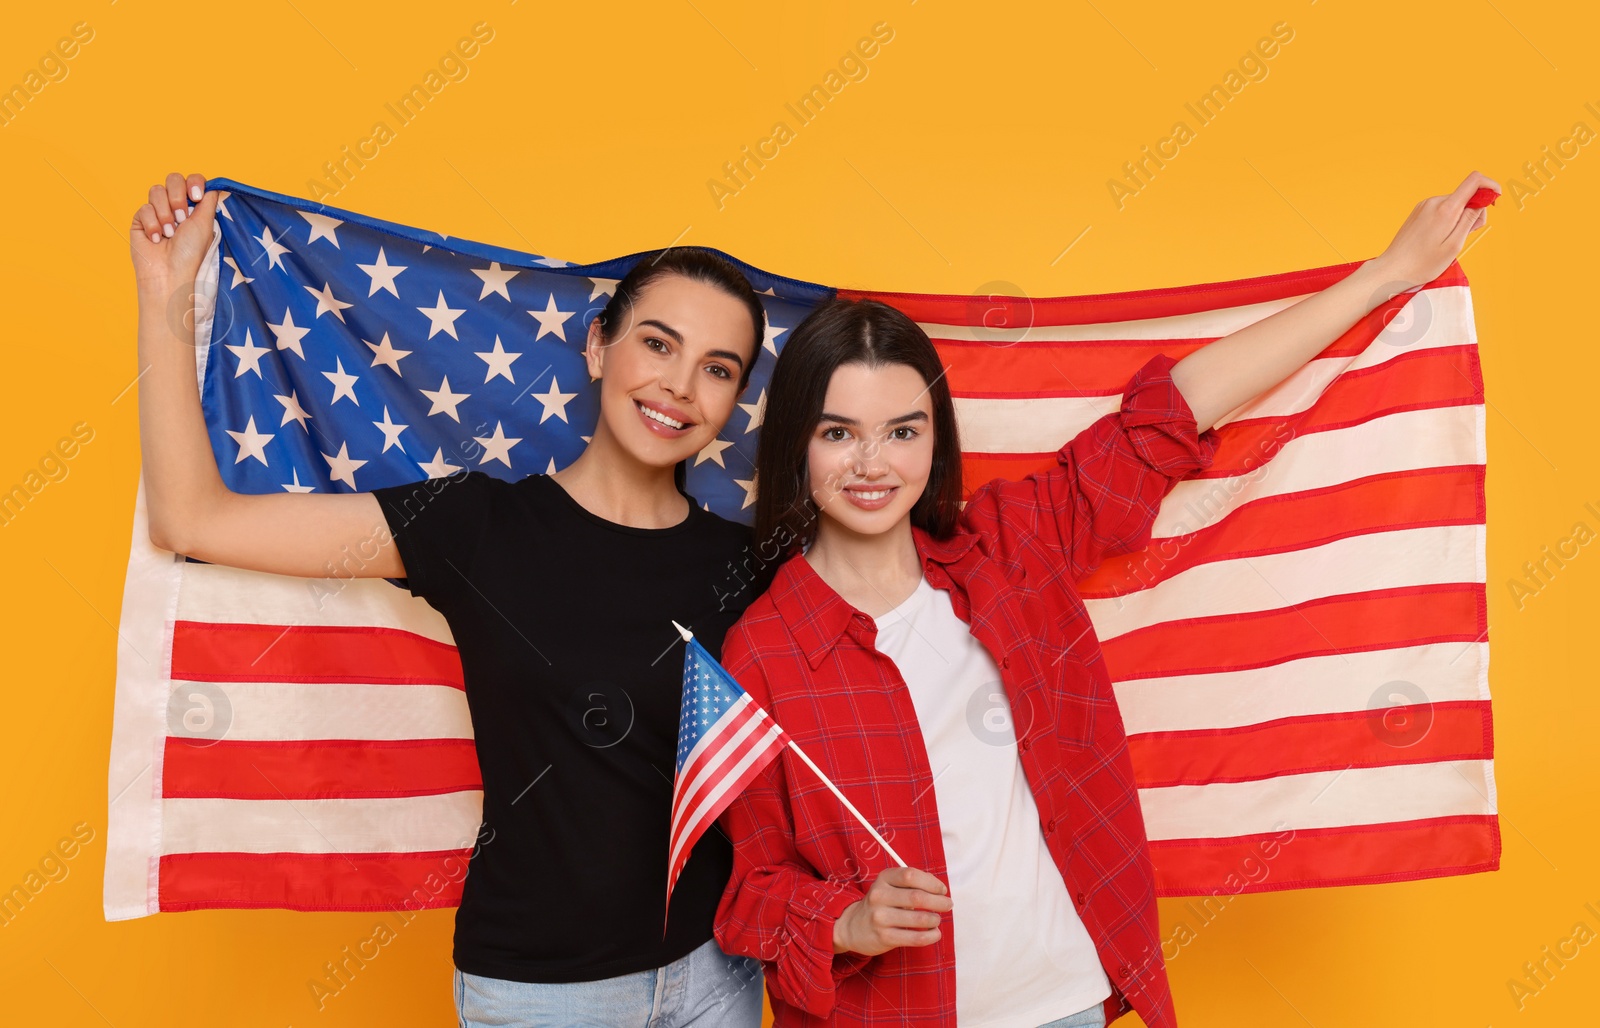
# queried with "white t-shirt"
point(1023, 956)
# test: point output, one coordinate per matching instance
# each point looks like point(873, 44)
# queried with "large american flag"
point(1300, 654)
point(724, 740)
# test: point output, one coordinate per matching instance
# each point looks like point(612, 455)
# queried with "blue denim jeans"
point(1092, 1017)
point(706, 989)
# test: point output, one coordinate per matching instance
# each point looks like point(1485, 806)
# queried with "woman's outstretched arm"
point(191, 510)
point(1220, 376)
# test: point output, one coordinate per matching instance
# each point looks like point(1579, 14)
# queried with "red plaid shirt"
point(808, 657)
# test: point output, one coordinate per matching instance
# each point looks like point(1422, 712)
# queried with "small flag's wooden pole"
point(687, 635)
point(847, 804)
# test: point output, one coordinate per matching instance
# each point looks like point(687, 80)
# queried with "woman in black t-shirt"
point(558, 590)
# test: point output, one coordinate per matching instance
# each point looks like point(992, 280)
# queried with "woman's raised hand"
point(902, 908)
point(171, 233)
point(1433, 235)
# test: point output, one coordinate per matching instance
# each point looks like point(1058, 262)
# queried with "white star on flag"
point(712, 451)
point(499, 362)
point(327, 303)
point(322, 227)
point(249, 356)
point(292, 410)
point(383, 275)
point(756, 411)
point(555, 401)
point(296, 487)
point(442, 317)
point(274, 249)
point(383, 352)
point(552, 320)
point(495, 279)
point(343, 383)
point(391, 432)
point(444, 401)
point(288, 334)
point(251, 443)
point(438, 467)
point(497, 447)
point(342, 468)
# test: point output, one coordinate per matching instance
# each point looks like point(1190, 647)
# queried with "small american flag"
point(724, 740)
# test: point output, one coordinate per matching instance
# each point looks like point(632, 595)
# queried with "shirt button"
point(1123, 972)
point(1080, 899)
point(1024, 744)
point(1005, 662)
point(1050, 827)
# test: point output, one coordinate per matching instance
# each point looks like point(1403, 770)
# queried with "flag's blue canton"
point(708, 692)
point(352, 353)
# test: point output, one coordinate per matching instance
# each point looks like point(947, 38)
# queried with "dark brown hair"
point(697, 265)
point(846, 332)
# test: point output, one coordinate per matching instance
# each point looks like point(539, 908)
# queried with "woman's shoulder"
point(763, 621)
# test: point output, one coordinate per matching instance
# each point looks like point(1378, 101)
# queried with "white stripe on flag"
point(391, 825)
point(1271, 581)
point(1042, 424)
point(727, 777)
point(1406, 441)
point(1326, 684)
point(215, 593)
point(264, 711)
point(1318, 799)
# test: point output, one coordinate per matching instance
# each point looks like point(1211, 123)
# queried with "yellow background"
point(977, 148)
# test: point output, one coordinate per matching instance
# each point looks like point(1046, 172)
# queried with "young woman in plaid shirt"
point(939, 664)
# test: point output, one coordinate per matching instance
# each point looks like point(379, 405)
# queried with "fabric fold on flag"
point(1300, 654)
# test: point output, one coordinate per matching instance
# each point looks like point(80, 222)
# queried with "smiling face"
point(870, 455)
point(670, 375)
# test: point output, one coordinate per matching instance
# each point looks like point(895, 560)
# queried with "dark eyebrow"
point(677, 337)
point(915, 415)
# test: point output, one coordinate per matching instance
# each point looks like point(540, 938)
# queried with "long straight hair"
point(837, 333)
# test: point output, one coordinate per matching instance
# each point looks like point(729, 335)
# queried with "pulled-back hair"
point(837, 333)
point(697, 265)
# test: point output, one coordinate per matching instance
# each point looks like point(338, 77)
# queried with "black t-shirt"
point(574, 678)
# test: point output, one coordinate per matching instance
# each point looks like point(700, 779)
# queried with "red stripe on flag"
point(737, 787)
point(701, 785)
point(221, 652)
point(1376, 620)
point(312, 881)
point(1065, 369)
point(717, 739)
point(1135, 305)
point(1283, 524)
point(1360, 854)
point(1430, 380)
point(318, 769)
point(1419, 733)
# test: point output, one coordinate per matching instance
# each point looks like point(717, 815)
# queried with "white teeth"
point(656, 415)
point(876, 494)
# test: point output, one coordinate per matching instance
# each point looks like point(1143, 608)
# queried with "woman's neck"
point(610, 483)
point(872, 573)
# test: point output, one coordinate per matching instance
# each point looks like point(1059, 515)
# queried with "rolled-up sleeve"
point(1102, 496)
